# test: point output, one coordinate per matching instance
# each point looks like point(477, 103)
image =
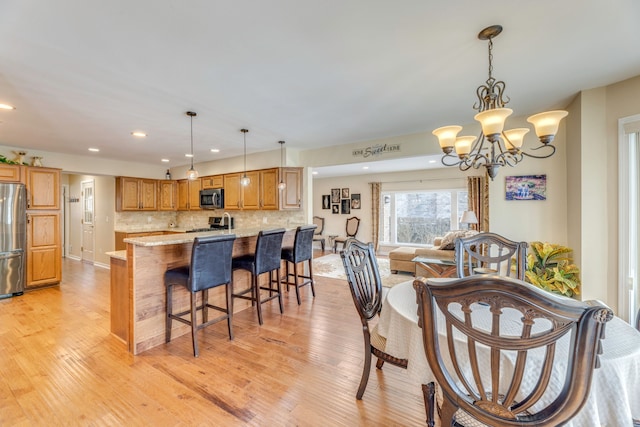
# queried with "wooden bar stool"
point(302, 250)
point(266, 259)
point(210, 267)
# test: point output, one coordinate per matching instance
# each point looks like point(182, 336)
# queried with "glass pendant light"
point(282, 184)
point(192, 174)
point(244, 181)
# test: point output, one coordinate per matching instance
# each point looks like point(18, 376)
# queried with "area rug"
point(331, 266)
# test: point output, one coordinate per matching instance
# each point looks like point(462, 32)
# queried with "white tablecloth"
point(614, 398)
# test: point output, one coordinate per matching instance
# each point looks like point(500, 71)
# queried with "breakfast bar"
point(141, 273)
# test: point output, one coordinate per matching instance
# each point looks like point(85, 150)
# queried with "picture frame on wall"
point(326, 201)
point(335, 209)
point(355, 201)
point(345, 206)
point(345, 193)
point(335, 195)
point(526, 187)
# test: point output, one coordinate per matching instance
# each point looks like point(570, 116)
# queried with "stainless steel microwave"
point(212, 198)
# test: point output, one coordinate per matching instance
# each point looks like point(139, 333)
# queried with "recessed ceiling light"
point(139, 134)
point(165, 160)
point(215, 150)
point(188, 155)
point(432, 161)
point(365, 167)
point(95, 150)
point(7, 107)
point(314, 173)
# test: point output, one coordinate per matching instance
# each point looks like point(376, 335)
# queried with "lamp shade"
point(547, 123)
point(492, 121)
point(468, 217)
point(447, 135)
point(514, 137)
point(463, 145)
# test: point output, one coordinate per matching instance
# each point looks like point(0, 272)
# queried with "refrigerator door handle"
point(12, 254)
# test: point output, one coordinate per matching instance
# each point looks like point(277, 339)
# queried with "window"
point(417, 217)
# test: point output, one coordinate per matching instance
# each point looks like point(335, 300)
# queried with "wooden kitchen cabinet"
point(213, 181)
point(167, 195)
point(189, 195)
point(43, 188)
point(269, 189)
point(44, 249)
point(10, 173)
point(291, 196)
point(136, 194)
point(238, 197)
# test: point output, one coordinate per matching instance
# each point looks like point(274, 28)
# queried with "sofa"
point(443, 248)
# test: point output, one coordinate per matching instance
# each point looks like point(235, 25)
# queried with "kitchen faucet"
point(228, 220)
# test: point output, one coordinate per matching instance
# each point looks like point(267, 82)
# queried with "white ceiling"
point(314, 73)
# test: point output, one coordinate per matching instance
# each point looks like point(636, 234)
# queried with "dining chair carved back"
point(362, 272)
point(317, 235)
point(507, 353)
point(351, 230)
point(490, 253)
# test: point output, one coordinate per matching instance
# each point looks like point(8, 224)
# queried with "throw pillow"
point(449, 240)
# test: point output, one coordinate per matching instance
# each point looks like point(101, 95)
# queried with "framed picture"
point(326, 201)
point(345, 207)
point(345, 193)
point(335, 209)
point(355, 201)
point(335, 195)
point(526, 187)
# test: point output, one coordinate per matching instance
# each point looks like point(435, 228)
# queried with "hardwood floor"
point(59, 365)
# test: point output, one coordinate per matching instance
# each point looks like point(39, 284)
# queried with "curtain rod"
point(419, 180)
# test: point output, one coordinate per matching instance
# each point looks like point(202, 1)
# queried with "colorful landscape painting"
point(526, 187)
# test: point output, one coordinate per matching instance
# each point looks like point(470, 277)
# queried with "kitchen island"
point(142, 273)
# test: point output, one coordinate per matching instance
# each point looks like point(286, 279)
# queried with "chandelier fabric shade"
point(192, 174)
point(496, 147)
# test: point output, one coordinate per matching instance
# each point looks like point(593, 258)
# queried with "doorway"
point(88, 208)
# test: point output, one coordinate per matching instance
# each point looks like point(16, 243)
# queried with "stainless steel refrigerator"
point(13, 239)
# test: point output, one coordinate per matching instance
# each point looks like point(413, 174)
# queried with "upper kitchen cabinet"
point(43, 188)
point(237, 196)
point(167, 195)
point(136, 194)
point(291, 196)
point(189, 195)
point(268, 189)
point(10, 173)
point(213, 181)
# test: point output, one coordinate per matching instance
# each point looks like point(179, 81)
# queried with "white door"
point(87, 221)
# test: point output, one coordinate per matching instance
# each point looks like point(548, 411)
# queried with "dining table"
point(614, 397)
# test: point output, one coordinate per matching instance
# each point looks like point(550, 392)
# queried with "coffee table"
point(434, 267)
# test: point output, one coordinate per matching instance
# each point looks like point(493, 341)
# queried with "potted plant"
point(550, 267)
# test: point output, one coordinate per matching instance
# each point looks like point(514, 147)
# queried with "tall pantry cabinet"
point(44, 243)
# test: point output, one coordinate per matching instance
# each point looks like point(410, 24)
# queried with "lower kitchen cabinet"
point(44, 249)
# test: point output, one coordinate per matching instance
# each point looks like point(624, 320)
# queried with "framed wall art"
point(345, 207)
point(335, 195)
point(335, 209)
point(355, 201)
point(526, 187)
point(326, 201)
point(345, 193)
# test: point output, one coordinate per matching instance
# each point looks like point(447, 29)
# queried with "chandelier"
point(495, 147)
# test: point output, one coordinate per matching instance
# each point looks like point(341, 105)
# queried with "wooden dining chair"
point(351, 230)
point(317, 235)
point(501, 373)
point(490, 253)
point(361, 268)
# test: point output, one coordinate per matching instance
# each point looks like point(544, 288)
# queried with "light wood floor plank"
point(59, 365)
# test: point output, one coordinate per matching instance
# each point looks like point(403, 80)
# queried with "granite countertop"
point(180, 238)
point(117, 254)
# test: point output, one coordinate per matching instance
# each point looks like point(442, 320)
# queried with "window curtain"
point(375, 212)
point(478, 199)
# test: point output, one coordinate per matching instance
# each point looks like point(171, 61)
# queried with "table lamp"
point(468, 217)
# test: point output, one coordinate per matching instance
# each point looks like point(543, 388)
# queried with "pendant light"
point(192, 174)
point(282, 184)
point(244, 181)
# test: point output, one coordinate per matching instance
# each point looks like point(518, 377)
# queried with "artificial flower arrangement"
point(550, 267)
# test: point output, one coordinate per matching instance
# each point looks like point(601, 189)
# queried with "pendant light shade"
point(244, 181)
point(192, 174)
point(282, 185)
